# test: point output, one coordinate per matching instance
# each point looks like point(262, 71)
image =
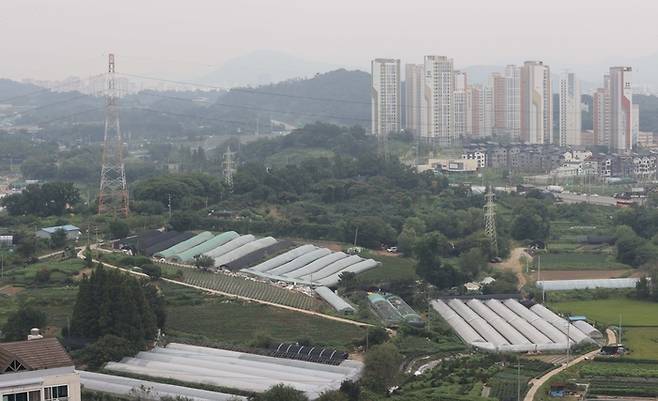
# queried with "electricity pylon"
point(113, 195)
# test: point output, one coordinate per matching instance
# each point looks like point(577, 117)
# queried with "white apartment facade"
point(601, 113)
point(437, 107)
point(385, 96)
point(570, 124)
point(413, 88)
point(460, 104)
point(536, 103)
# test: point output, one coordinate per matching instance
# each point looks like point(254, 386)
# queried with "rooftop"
point(66, 227)
point(46, 353)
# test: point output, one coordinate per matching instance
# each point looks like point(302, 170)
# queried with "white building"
point(460, 104)
point(385, 96)
point(480, 157)
point(37, 370)
point(413, 88)
point(621, 110)
point(536, 103)
point(570, 118)
point(635, 129)
point(513, 101)
point(438, 116)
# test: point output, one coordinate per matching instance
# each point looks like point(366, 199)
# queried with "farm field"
point(196, 316)
point(607, 311)
point(393, 268)
point(579, 261)
point(618, 378)
point(642, 341)
point(243, 287)
point(56, 302)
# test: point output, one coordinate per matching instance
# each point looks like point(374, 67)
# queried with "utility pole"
point(518, 378)
point(113, 195)
point(382, 145)
point(356, 235)
point(490, 221)
point(229, 167)
point(169, 205)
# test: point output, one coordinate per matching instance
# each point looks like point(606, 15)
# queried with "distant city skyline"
point(54, 40)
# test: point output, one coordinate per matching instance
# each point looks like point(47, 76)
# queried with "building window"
point(26, 396)
point(56, 393)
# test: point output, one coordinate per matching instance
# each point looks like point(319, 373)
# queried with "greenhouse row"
point(305, 264)
point(509, 326)
point(128, 387)
point(566, 285)
point(247, 372)
point(311, 265)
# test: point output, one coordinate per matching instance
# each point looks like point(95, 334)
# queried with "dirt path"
point(513, 263)
point(537, 383)
point(612, 336)
point(226, 294)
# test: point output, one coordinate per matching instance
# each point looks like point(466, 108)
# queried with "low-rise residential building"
point(72, 232)
point(37, 370)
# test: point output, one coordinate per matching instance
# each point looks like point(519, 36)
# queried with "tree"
point(27, 246)
point(282, 392)
point(203, 261)
point(406, 241)
point(20, 323)
point(429, 265)
point(530, 225)
point(42, 276)
point(184, 220)
point(351, 389)
point(119, 229)
point(108, 348)
point(382, 368)
point(472, 262)
point(58, 238)
point(88, 257)
point(332, 396)
point(348, 281)
point(153, 271)
point(49, 199)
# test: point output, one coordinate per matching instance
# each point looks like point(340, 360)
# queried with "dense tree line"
point(49, 199)
point(110, 302)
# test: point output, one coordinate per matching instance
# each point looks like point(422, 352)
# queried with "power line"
point(48, 89)
point(254, 108)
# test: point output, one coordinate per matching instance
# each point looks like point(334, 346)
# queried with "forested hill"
point(340, 97)
point(10, 89)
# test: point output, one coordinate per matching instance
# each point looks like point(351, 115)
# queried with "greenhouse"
point(185, 245)
point(247, 372)
point(216, 241)
point(509, 326)
point(336, 302)
point(169, 240)
point(244, 250)
point(566, 285)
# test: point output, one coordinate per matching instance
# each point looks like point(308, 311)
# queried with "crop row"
point(235, 285)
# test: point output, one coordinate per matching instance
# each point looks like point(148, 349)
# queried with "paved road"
point(537, 383)
point(594, 200)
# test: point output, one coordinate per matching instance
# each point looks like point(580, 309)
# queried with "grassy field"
point(56, 302)
point(642, 341)
point(579, 261)
point(607, 311)
point(196, 316)
point(61, 272)
point(393, 268)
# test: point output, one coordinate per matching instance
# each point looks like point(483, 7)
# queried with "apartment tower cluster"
point(442, 106)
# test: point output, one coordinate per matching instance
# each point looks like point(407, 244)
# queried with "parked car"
point(393, 249)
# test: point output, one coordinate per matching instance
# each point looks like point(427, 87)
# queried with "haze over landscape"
point(313, 200)
point(55, 40)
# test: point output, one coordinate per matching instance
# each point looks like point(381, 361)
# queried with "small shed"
point(6, 241)
point(72, 232)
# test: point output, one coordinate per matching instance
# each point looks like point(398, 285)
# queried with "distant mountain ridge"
point(264, 67)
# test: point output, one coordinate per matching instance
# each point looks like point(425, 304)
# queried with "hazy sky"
point(52, 39)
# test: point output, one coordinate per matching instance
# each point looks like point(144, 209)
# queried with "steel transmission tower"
point(229, 167)
point(490, 221)
point(113, 196)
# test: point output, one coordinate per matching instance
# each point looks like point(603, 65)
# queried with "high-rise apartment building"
point(507, 103)
point(437, 107)
point(636, 125)
point(460, 104)
point(601, 113)
point(481, 100)
point(385, 96)
point(570, 126)
point(536, 103)
point(621, 109)
point(413, 88)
